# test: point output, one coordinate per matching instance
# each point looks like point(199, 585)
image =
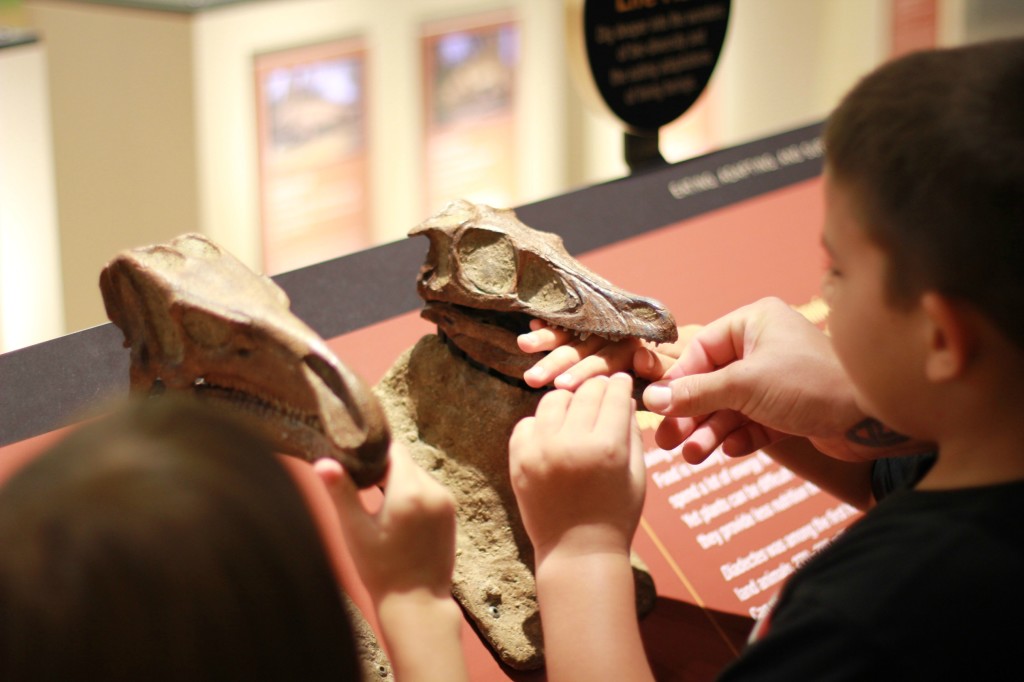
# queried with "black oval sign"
point(651, 59)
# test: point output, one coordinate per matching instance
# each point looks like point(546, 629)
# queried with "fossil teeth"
point(263, 406)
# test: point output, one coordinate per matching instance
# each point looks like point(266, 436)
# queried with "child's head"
point(162, 543)
point(931, 147)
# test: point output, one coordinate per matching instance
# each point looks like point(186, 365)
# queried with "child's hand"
point(577, 469)
point(570, 361)
point(409, 543)
point(405, 554)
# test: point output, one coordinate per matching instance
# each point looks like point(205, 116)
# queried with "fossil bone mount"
point(454, 397)
point(197, 320)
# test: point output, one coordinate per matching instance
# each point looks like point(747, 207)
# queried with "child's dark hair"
point(932, 147)
point(165, 543)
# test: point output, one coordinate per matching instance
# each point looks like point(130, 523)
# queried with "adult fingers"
point(716, 345)
point(673, 430)
point(747, 440)
point(710, 434)
point(696, 394)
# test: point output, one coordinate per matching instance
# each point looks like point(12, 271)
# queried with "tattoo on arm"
point(875, 434)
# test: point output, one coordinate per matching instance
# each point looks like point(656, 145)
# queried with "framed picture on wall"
point(311, 118)
point(469, 77)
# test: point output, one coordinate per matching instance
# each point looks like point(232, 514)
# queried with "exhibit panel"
point(314, 180)
point(702, 237)
point(469, 88)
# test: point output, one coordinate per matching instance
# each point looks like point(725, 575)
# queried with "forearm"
point(589, 619)
point(847, 480)
point(422, 633)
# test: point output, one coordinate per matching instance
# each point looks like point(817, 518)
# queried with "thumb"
point(693, 395)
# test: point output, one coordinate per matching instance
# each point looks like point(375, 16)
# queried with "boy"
point(924, 228)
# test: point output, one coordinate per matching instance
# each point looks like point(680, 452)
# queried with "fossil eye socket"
point(488, 261)
point(209, 332)
point(542, 288)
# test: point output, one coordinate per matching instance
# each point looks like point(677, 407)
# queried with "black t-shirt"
point(928, 585)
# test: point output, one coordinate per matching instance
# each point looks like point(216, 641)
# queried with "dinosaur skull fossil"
point(487, 274)
point(197, 319)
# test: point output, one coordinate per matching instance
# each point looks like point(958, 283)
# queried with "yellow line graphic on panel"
point(686, 582)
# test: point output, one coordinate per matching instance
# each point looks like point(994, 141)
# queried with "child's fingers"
point(614, 357)
point(581, 415)
point(344, 495)
point(405, 479)
point(652, 364)
point(521, 446)
point(551, 411)
point(636, 448)
point(560, 359)
point(615, 413)
point(522, 435)
point(542, 338)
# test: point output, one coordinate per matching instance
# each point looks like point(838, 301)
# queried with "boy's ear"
point(951, 337)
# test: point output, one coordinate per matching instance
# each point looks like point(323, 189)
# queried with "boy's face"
point(874, 341)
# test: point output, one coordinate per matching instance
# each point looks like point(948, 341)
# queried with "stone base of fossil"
point(456, 421)
point(373, 662)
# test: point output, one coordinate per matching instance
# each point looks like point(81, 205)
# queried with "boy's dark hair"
point(932, 147)
point(165, 543)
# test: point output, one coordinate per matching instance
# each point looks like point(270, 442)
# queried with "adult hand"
point(750, 379)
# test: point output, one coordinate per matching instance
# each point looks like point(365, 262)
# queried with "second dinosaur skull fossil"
point(197, 319)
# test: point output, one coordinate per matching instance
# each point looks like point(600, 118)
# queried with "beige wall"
point(154, 128)
point(120, 84)
point(31, 309)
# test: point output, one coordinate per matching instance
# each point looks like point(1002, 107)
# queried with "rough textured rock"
point(456, 421)
point(372, 660)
